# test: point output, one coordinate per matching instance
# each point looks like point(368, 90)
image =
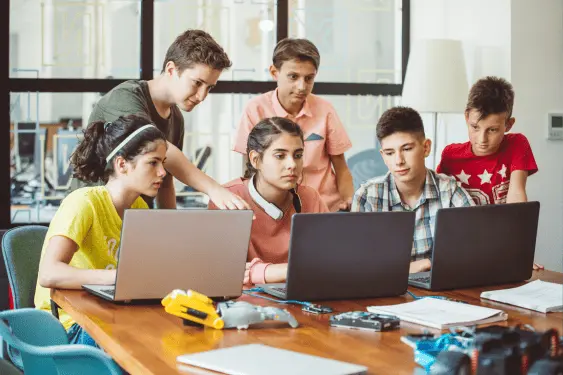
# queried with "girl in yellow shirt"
point(82, 243)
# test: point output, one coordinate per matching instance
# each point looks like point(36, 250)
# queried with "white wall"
point(522, 41)
point(537, 76)
point(483, 27)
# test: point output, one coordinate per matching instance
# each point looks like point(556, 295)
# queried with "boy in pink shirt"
point(295, 65)
point(269, 187)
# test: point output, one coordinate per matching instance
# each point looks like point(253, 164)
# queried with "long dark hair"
point(100, 139)
point(264, 133)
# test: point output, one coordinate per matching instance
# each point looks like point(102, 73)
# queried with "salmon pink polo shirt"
point(323, 132)
point(269, 238)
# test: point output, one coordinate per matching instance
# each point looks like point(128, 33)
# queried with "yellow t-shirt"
point(88, 217)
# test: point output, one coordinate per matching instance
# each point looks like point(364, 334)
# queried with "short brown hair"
point(196, 47)
point(399, 119)
point(296, 49)
point(491, 95)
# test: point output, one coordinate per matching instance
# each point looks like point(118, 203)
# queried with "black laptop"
point(481, 246)
point(347, 256)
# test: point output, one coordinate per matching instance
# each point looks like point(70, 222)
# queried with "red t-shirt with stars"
point(486, 178)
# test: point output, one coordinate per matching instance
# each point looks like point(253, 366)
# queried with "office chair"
point(43, 344)
point(21, 250)
point(366, 164)
point(59, 174)
point(26, 182)
point(202, 156)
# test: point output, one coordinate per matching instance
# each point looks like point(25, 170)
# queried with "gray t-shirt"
point(134, 98)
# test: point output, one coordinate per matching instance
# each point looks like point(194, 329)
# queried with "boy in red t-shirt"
point(493, 166)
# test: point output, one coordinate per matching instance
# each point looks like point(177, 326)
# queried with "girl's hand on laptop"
point(420, 266)
point(276, 273)
point(225, 200)
point(538, 267)
point(247, 273)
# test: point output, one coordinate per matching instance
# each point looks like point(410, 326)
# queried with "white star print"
point(485, 177)
point(502, 171)
point(464, 178)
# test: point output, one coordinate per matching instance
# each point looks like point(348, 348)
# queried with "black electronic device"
point(26, 140)
point(499, 350)
point(317, 309)
point(365, 321)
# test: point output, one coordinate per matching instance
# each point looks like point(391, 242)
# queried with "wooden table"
point(146, 340)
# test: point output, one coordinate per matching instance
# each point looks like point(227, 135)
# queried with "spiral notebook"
point(441, 314)
point(537, 295)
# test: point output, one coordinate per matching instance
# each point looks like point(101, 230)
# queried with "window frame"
point(147, 68)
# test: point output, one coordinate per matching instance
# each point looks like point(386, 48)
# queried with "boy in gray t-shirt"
point(192, 66)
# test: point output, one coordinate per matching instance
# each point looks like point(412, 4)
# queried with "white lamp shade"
point(436, 80)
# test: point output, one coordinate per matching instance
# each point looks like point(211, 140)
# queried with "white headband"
point(126, 140)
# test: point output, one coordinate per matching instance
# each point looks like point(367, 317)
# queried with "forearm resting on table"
point(420, 266)
point(55, 271)
point(59, 275)
point(259, 272)
point(276, 273)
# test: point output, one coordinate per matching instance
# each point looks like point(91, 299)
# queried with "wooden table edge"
point(121, 356)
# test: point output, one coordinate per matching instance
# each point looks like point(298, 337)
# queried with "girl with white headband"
point(83, 238)
point(270, 187)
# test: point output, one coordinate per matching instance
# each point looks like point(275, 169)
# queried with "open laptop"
point(481, 246)
point(163, 250)
point(347, 256)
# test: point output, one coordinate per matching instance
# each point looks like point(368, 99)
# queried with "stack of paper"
point(537, 295)
point(441, 314)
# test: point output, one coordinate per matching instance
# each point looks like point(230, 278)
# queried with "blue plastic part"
point(426, 350)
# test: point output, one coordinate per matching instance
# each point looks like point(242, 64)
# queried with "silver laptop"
point(347, 256)
point(259, 359)
point(163, 250)
point(481, 246)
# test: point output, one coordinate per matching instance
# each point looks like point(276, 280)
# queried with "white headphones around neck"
point(271, 209)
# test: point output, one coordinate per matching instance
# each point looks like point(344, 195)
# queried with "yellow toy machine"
point(197, 309)
point(192, 307)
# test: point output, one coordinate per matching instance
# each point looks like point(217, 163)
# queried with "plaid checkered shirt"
point(440, 191)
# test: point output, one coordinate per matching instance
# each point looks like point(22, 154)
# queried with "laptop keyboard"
point(111, 292)
point(280, 290)
point(424, 280)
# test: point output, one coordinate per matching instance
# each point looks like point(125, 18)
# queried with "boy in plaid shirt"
point(409, 185)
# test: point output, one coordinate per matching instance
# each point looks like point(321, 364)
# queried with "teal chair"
point(21, 250)
point(365, 165)
point(37, 335)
